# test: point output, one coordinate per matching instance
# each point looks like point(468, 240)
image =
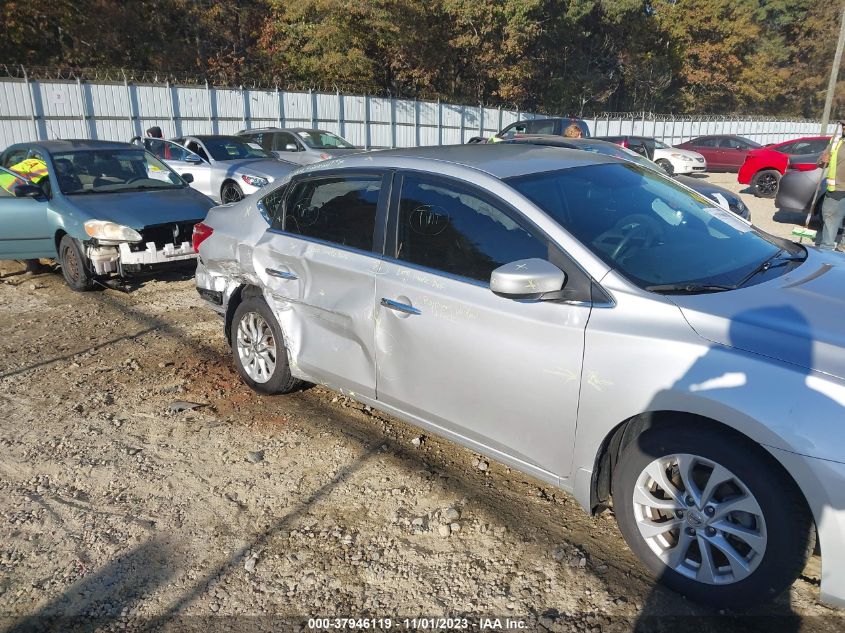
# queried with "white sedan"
point(678, 161)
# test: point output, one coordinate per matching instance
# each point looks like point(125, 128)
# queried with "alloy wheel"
point(231, 193)
point(256, 346)
point(767, 184)
point(700, 519)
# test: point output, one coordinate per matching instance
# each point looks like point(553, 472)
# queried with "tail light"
point(624, 142)
point(201, 233)
point(803, 166)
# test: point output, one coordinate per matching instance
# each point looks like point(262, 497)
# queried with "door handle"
point(281, 274)
point(399, 307)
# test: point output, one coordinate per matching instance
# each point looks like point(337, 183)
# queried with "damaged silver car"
point(101, 209)
point(577, 317)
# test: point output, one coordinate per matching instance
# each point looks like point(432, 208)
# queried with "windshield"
point(650, 229)
point(113, 170)
point(233, 148)
point(317, 139)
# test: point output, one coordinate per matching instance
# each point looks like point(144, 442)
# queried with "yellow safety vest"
point(33, 169)
point(831, 166)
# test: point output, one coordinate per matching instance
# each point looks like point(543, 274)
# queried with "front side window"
point(112, 171)
point(649, 228)
point(281, 140)
point(450, 229)
point(513, 129)
point(168, 150)
point(340, 210)
point(541, 127)
point(318, 139)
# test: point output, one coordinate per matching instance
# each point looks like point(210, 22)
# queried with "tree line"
point(769, 57)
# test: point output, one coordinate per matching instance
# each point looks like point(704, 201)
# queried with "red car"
point(763, 167)
point(724, 152)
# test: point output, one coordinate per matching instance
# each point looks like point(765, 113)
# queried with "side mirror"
point(534, 279)
point(29, 191)
point(193, 159)
point(188, 178)
point(291, 147)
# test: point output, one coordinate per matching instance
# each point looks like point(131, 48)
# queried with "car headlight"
point(254, 181)
point(111, 232)
point(682, 157)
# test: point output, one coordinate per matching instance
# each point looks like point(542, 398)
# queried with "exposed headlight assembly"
point(254, 181)
point(110, 232)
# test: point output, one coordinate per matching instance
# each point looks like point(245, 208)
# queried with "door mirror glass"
point(188, 178)
point(29, 191)
point(290, 147)
point(528, 279)
point(193, 159)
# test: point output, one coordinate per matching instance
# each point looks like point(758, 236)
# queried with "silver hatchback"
point(587, 321)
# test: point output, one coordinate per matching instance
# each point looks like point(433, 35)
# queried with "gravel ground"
point(143, 487)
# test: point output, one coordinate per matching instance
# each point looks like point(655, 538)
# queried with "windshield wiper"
point(689, 289)
point(768, 264)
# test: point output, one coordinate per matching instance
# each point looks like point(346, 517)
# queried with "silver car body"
point(292, 144)
point(540, 386)
point(211, 175)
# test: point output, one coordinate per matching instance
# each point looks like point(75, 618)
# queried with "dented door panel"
point(322, 296)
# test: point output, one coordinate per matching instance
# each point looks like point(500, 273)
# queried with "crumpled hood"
point(137, 209)
point(266, 168)
point(798, 318)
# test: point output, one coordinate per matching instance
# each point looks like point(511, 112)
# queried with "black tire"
point(788, 523)
point(765, 183)
point(666, 165)
point(280, 380)
point(75, 268)
point(231, 192)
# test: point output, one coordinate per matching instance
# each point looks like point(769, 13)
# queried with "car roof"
point(209, 137)
point(502, 160)
point(283, 129)
point(64, 145)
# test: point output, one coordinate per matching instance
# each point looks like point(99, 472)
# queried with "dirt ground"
point(144, 487)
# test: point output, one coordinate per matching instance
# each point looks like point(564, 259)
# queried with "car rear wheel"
point(259, 350)
point(666, 165)
point(231, 192)
point(712, 516)
point(765, 183)
point(75, 268)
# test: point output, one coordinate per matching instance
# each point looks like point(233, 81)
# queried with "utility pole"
point(834, 72)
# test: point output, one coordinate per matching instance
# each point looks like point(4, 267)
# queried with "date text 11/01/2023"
point(417, 624)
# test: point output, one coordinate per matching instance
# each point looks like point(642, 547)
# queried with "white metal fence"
point(35, 109)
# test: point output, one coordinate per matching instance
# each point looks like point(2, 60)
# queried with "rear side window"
point(705, 142)
point(451, 229)
point(340, 210)
point(541, 127)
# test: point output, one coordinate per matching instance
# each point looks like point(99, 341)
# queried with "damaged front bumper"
point(120, 258)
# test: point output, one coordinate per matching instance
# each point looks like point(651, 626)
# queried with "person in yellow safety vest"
point(33, 170)
point(833, 207)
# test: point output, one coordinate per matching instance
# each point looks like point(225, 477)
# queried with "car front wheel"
point(666, 165)
point(231, 192)
point(75, 268)
point(765, 183)
point(259, 350)
point(711, 514)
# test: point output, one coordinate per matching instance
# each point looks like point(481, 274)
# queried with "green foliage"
point(576, 56)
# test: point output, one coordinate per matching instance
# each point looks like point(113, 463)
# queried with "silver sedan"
point(225, 168)
point(577, 317)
